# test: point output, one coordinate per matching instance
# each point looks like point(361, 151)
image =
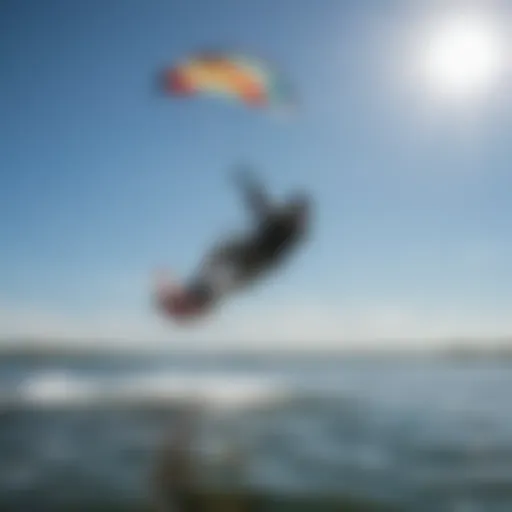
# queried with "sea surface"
point(426, 433)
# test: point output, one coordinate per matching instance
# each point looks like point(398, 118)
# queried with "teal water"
point(422, 433)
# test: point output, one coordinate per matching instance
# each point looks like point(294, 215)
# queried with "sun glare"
point(462, 57)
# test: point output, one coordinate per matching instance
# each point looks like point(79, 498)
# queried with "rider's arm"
point(254, 194)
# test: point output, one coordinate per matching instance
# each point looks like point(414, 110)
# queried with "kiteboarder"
point(235, 263)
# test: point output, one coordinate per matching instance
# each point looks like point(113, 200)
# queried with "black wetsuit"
point(275, 236)
point(278, 230)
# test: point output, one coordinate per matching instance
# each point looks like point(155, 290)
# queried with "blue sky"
point(102, 179)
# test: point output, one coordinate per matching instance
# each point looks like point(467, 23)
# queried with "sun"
point(462, 57)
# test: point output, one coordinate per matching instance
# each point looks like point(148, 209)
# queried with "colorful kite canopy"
point(234, 77)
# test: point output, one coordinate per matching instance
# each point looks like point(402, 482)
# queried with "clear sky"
point(102, 179)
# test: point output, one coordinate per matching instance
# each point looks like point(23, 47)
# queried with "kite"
point(234, 77)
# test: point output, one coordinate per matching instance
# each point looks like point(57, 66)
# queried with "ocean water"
point(423, 433)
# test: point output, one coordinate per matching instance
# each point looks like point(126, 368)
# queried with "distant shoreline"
point(37, 348)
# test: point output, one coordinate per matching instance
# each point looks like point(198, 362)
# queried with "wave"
point(65, 389)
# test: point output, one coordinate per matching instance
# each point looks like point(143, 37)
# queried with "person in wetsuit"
point(234, 264)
